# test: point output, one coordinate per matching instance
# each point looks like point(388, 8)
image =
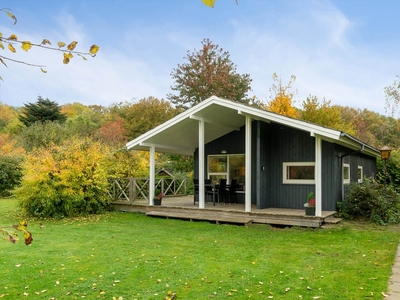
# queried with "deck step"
point(202, 217)
point(332, 220)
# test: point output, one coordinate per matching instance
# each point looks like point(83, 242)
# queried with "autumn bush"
point(65, 180)
point(10, 174)
point(376, 202)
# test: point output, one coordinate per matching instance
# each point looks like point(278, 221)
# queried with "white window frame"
point(287, 180)
point(218, 173)
point(360, 172)
point(346, 180)
point(226, 174)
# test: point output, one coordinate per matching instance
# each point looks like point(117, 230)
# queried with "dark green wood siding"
point(273, 144)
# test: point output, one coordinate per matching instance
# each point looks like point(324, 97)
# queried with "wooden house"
point(276, 160)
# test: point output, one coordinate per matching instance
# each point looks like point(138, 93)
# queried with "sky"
point(345, 51)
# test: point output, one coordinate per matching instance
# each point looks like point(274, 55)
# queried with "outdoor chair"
point(221, 191)
point(208, 189)
point(196, 190)
point(231, 191)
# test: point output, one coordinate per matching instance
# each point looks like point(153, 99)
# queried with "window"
point(299, 172)
point(346, 173)
point(229, 166)
point(360, 174)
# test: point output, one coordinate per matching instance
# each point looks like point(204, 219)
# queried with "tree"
point(112, 133)
point(282, 97)
point(324, 114)
point(41, 135)
point(144, 115)
point(41, 111)
point(27, 45)
point(208, 72)
point(392, 95)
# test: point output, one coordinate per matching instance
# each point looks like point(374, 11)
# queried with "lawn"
point(132, 256)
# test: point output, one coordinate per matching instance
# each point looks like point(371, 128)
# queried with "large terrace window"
point(228, 166)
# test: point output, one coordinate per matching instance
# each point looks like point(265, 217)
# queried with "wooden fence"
point(130, 189)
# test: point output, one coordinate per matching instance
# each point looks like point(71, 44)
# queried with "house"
point(278, 160)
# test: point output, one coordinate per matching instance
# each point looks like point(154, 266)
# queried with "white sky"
point(344, 50)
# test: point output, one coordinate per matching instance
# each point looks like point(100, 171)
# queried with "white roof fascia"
point(173, 121)
point(160, 128)
point(256, 114)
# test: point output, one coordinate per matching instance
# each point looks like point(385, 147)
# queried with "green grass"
point(133, 256)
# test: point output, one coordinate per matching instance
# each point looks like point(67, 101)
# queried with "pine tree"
point(42, 111)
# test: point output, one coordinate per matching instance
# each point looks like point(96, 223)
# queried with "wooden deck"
point(183, 208)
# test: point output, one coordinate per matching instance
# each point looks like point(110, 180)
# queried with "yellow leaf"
point(13, 37)
point(93, 49)
point(26, 45)
point(1, 45)
point(11, 48)
point(12, 17)
point(61, 44)
point(209, 3)
point(72, 45)
point(45, 41)
point(67, 57)
point(43, 71)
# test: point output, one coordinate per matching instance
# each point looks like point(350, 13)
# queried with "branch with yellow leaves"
point(68, 52)
point(13, 236)
point(211, 3)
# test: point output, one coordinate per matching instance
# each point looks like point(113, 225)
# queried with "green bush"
point(65, 181)
point(390, 175)
point(373, 201)
point(10, 174)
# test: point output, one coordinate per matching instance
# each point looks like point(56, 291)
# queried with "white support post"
point(318, 176)
point(248, 165)
point(152, 174)
point(201, 164)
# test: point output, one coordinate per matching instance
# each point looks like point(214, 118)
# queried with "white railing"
point(130, 189)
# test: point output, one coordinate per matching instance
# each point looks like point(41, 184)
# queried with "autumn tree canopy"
point(392, 94)
point(324, 114)
point(282, 97)
point(208, 72)
point(139, 117)
point(41, 111)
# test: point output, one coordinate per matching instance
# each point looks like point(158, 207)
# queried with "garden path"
point(394, 280)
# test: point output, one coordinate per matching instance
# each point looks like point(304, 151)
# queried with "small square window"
point(360, 174)
point(346, 173)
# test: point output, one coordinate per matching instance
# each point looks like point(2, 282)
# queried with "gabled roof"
point(180, 134)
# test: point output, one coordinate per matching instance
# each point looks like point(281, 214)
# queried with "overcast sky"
point(346, 51)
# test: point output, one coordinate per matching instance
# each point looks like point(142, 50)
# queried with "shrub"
point(390, 175)
point(373, 201)
point(10, 174)
point(64, 181)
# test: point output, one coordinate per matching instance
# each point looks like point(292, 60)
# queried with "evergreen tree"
point(42, 111)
